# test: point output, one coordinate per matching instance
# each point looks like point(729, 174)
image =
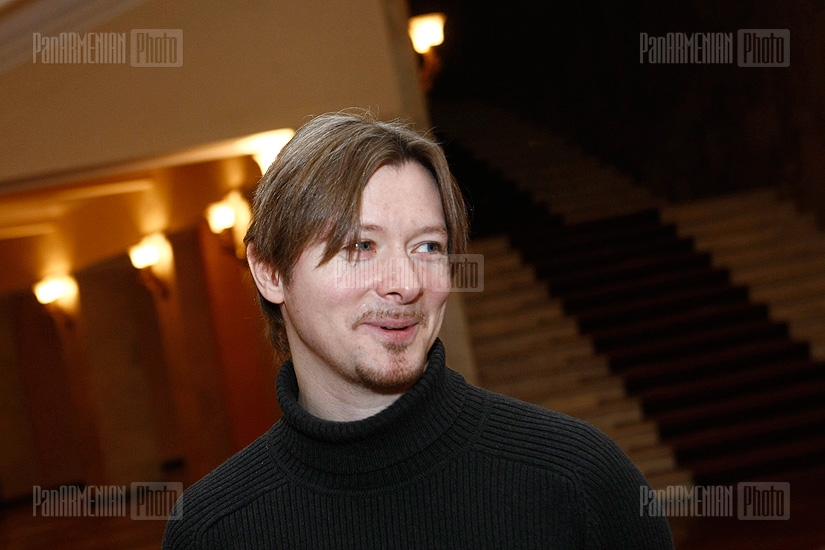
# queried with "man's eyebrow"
point(438, 229)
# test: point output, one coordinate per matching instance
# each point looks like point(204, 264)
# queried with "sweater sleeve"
point(177, 535)
point(613, 487)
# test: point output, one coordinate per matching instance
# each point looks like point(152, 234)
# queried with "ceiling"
point(20, 19)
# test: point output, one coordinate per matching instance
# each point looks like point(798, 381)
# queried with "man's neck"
point(342, 403)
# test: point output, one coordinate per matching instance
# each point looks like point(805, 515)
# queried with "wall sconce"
point(59, 295)
point(230, 219)
point(221, 216)
point(150, 252)
point(427, 31)
point(264, 147)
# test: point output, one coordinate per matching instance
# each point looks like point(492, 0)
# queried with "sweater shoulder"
point(546, 438)
point(233, 485)
point(607, 482)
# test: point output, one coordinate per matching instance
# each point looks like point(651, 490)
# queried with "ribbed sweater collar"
point(421, 428)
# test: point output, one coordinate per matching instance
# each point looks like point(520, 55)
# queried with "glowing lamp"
point(426, 31)
point(221, 216)
point(264, 147)
point(52, 289)
point(148, 251)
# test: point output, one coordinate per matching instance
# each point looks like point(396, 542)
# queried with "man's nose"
point(400, 278)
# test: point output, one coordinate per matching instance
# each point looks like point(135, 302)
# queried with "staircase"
point(689, 333)
point(528, 347)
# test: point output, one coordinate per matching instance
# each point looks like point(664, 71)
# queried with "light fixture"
point(221, 216)
point(144, 254)
point(59, 294)
point(53, 289)
point(264, 147)
point(426, 31)
point(153, 251)
point(230, 219)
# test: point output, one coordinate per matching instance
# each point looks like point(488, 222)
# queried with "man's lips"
point(393, 324)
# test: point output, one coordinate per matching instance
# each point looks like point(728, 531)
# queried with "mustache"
point(396, 314)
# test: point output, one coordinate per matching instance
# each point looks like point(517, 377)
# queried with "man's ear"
point(267, 280)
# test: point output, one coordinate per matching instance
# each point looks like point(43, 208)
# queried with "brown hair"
point(312, 192)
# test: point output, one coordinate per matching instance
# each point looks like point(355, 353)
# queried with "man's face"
point(366, 319)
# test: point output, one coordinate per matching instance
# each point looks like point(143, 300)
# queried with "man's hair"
point(312, 193)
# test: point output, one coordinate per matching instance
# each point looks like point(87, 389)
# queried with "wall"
point(248, 66)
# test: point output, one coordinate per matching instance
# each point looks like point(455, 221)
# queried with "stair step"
point(813, 285)
point(520, 321)
point(584, 397)
point(740, 221)
point(483, 304)
point(615, 315)
point(780, 271)
point(505, 282)
point(561, 329)
point(712, 340)
point(802, 228)
point(688, 322)
point(719, 206)
point(661, 480)
point(732, 464)
point(746, 355)
point(637, 435)
point(804, 308)
point(761, 429)
point(731, 384)
point(719, 412)
point(620, 270)
point(536, 388)
point(502, 264)
point(645, 289)
point(537, 362)
point(558, 343)
point(613, 414)
point(491, 246)
point(654, 460)
point(567, 260)
point(769, 253)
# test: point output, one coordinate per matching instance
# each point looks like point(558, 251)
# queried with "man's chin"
point(396, 369)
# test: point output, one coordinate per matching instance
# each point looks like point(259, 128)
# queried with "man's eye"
point(363, 246)
point(431, 247)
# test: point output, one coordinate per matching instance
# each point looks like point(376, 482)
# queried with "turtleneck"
point(422, 428)
point(447, 465)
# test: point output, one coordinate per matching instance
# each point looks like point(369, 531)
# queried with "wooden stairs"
point(528, 347)
point(689, 333)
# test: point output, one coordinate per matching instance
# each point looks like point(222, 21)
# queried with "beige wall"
point(248, 66)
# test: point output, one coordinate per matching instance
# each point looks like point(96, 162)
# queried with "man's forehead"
point(440, 229)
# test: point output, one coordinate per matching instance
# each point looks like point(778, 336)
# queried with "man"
point(380, 444)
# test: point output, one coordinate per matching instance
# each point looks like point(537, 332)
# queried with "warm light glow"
point(232, 211)
point(220, 216)
point(52, 289)
point(148, 251)
point(426, 31)
point(264, 147)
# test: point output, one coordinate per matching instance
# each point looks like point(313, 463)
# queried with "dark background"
point(685, 131)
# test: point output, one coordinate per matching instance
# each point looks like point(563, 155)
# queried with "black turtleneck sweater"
point(448, 465)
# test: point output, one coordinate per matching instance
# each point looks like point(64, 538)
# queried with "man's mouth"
point(395, 324)
point(396, 330)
